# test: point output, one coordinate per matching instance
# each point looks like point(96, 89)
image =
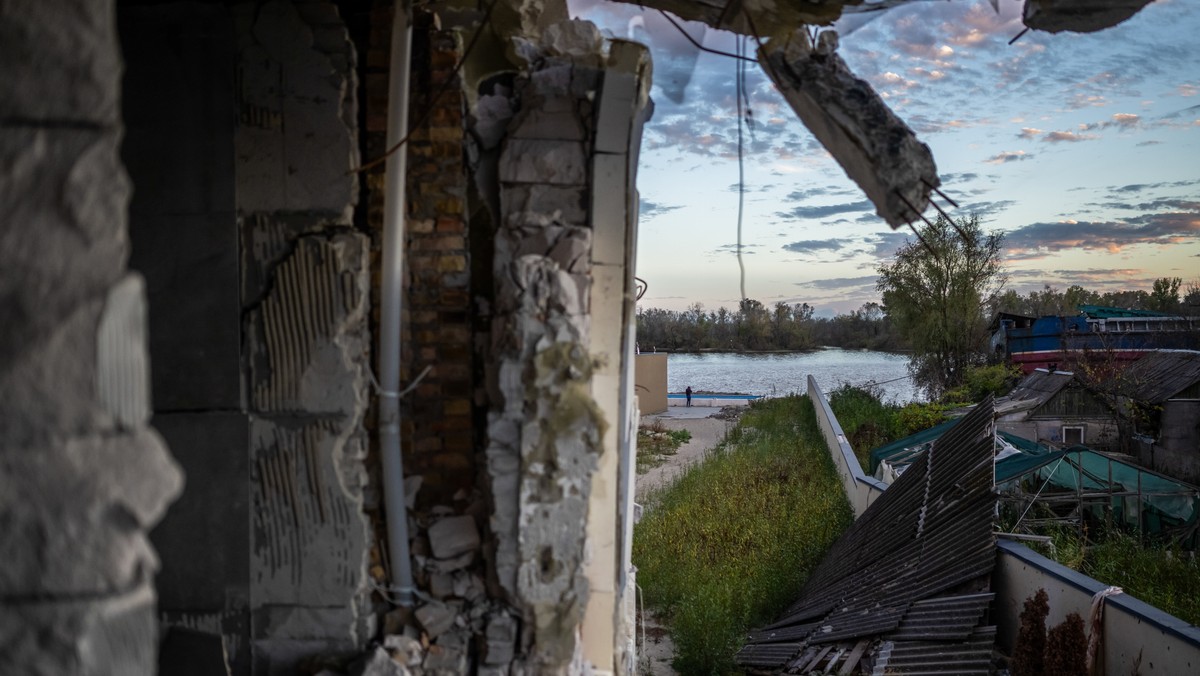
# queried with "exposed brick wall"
point(438, 431)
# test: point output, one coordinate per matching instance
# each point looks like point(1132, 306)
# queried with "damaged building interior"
point(318, 323)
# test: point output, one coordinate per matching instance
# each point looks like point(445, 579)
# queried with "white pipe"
point(389, 310)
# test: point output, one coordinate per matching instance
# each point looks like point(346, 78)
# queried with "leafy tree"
point(936, 293)
point(1165, 296)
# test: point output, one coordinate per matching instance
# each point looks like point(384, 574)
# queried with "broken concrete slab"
point(1079, 16)
point(437, 618)
point(404, 649)
point(451, 536)
point(874, 146)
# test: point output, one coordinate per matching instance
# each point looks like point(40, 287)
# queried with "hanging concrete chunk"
point(1080, 16)
point(874, 146)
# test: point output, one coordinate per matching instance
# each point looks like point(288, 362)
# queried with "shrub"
point(1066, 648)
point(1030, 646)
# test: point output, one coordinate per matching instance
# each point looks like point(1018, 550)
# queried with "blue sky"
point(1083, 148)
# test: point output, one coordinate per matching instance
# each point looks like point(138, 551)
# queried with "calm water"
point(779, 374)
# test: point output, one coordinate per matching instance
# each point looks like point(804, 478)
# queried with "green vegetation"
point(655, 442)
point(1164, 297)
point(869, 423)
point(1165, 577)
point(937, 292)
point(729, 546)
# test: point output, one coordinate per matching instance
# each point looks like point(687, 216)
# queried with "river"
point(780, 374)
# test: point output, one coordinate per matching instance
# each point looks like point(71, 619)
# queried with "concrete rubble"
point(874, 146)
point(1079, 16)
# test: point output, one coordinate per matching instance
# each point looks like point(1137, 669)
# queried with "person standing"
point(688, 392)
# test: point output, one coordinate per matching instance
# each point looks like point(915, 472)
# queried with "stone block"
point(67, 191)
point(545, 162)
point(310, 336)
point(105, 634)
point(203, 568)
point(610, 209)
point(309, 540)
point(176, 99)
point(436, 618)
point(452, 536)
point(190, 263)
point(61, 62)
point(447, 656)
point(300, 165)
point(404, 649)
point(120, 485)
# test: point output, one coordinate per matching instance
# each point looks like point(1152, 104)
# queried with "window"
point(1072, 435)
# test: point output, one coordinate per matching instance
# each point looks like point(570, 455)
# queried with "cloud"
point(814, 245)
point(985, 209)
point(837, 283)
point(648, 210)
point(1187, 89)
point(825, 211)
point(1009, 156)
point(1070, 136)
point(885, 245)
point(1029, 133)
point(733, 249)
point(1112, 236)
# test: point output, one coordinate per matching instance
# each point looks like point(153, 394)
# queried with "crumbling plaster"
point(563, 186)
point(305, 289)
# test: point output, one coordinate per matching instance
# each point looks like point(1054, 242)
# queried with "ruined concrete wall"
point(559, 333)
point(82, 475)
point(305, 296)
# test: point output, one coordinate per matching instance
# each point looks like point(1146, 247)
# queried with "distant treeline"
point(756, 327)
point(1163, 297)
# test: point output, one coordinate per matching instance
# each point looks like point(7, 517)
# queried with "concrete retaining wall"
point(1137, 638)
point(860, 489)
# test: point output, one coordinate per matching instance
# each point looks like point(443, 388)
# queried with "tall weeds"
point(730, 544)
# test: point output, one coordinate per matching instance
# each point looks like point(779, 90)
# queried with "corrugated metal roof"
point(1034, 390)
point(1158, 376)
point(913, 570)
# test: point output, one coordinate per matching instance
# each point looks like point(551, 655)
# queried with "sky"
point(1083, 149)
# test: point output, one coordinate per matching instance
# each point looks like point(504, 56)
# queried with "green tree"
point(1165, 295)
point(937, 292)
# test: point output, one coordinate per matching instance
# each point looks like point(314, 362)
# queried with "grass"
point(655, 442)
point(1163, 576)
point(729, 545)
point(869, 423)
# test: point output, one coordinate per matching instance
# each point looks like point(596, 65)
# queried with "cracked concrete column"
point(562, 270)
point(82, 475)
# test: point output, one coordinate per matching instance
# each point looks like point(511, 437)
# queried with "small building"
point(1055, 407)
point(1162, 392)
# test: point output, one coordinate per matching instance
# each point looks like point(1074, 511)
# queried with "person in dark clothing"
point(688, 392)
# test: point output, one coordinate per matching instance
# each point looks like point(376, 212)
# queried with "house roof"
point(907, 583)
point(1158, 376)
point(1034, 390)
point(1105, 312)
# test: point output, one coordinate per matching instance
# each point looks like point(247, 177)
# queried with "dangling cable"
point(741, 85)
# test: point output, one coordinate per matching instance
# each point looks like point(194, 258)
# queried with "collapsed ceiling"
point(875, 147)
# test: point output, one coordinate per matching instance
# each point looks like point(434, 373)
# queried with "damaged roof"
point(1034, 390)
point(1162, 375)
point(906, 588)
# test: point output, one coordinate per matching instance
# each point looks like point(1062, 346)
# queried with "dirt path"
point(657, 652)
point(706, 434)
